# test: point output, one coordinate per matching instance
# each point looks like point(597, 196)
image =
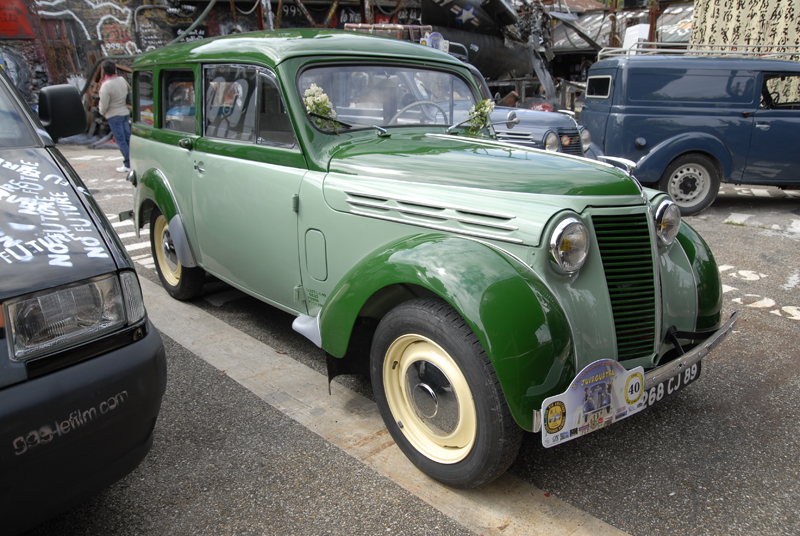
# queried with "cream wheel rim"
point(430, 399)
point(166, 255)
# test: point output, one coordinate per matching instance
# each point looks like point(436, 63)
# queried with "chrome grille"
point(626, 251)
point(574, 147)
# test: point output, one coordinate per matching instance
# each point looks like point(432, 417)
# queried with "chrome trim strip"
point(429, 215)
point(422, 203)
point(437, 227)
point(693, 356)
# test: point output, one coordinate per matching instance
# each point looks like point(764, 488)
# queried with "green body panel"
point(516, 318)
point(706, 273)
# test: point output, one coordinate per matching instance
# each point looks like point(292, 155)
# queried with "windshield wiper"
point(382, 132)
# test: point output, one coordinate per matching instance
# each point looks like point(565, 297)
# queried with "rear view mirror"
point(61, 111)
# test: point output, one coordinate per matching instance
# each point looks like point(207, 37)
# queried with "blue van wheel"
point(693, 182)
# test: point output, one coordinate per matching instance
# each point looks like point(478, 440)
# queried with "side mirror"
point(61, 111)
point(511, 119)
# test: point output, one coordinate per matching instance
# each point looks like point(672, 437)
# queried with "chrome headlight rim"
point(668, 222)
point(551, 142)
point(586, 137)
point(558, 259)
point(41, 323)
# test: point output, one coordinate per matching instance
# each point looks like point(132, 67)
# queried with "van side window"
point(598, 87)
point(177, 101)
point(781, 91)
point(726, 88)
point(274, 126)
point(143, 88)
point(230, 102)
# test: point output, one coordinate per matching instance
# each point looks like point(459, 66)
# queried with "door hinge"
point(299, 293)
point(296, 202)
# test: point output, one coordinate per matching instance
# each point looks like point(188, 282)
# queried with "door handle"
point(199, 167)
point(762, 126)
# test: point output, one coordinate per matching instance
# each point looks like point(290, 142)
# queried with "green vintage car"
point(339, 178)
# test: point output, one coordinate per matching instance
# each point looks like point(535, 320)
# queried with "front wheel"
point(693, 182)
point(180, 282)
point(439, 396)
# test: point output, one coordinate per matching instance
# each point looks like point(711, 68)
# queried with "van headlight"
point(59, 318)
point(668, 222)
point(586, 137)
point(551, 142)
point(569, 245)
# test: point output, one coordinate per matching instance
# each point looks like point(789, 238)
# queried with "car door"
point(773, 157)
point(247, 174)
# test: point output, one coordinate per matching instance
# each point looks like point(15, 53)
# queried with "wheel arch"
point(706, 275)
point(518, 321)
point(650, 168)
point(153, 192)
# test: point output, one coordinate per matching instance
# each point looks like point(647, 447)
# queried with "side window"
point(177, 101)
point(143, 87)
point(781, 91)
point(274, 126)
point(230, 102)
point(598, 87)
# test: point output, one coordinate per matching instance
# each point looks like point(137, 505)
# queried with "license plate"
point(601, 394)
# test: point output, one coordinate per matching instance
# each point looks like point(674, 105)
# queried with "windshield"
point(13, 130)
point(365, 95)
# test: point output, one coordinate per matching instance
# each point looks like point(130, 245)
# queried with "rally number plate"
point(602, 394)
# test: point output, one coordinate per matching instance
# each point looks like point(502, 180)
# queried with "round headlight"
point(668, 222)
point(551, 142)
point(569, 245)
point(586, 138)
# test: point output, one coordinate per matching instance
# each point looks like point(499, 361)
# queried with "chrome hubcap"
point(170, 255)
point(434, 400)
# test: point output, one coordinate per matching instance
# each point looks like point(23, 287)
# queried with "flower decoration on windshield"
point(479, 115)
point(318, 103)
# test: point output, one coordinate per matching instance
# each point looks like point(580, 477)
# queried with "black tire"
point(181, 282)
point(692, 181)
point(425, 342)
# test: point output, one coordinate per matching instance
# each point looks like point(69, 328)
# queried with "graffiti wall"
point(754, 22)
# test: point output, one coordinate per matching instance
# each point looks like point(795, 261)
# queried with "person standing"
point(113, 96)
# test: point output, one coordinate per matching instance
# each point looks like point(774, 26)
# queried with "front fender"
point(153, 191)
point(518, 321)
point(707, 278)
point(652, 165)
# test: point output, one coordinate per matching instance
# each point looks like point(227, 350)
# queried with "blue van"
point(691, 122)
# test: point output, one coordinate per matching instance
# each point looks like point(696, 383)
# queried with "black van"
point(691, 122)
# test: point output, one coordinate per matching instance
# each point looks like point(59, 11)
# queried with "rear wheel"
point(439, 395)
point(693, 182)
point(181, 282)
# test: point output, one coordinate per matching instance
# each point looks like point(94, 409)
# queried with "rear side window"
point(230, 102)
point(598, 87)
point(781, 91)
point(178, 101)
point(143, 88)
point(274, 126)
point(691, 88)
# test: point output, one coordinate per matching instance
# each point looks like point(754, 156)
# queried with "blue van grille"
point(574, 146)
point(626, 251)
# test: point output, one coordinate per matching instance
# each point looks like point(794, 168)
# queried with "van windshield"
point(364, 95)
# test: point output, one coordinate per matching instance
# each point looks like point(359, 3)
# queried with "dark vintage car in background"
point(82, 370)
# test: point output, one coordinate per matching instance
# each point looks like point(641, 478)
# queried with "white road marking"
point(726, 288)
point(134, 247)
point(795, 227)
point(793, 281)
point(138, 257)
point(760, 192)
point(738, 218)
point(132, 234)
point(121, 223)
point(792, 193)
point(352, 422)
point(724, 267)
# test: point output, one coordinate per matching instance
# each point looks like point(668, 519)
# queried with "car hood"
point(477, 188)
point(456, 160)
point(47, 237)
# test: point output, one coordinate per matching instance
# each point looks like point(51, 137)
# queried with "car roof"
point(655, 61)
point(273, 47)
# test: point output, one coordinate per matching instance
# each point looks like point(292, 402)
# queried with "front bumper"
point(677, 366)
point(68, 434)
